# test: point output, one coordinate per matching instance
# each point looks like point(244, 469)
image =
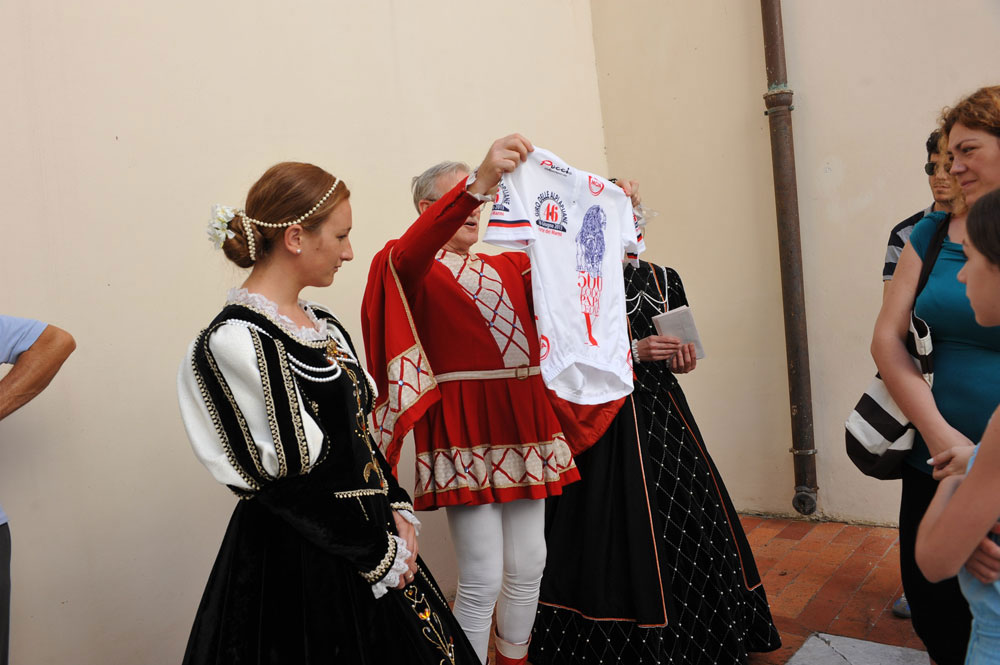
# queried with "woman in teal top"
point(966, 389)
point(966, 507)
point(966, 355)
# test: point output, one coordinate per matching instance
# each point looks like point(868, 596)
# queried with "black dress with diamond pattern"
point(292, 580)
point(647, 561)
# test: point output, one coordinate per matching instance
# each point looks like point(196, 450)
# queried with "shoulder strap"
point(930, 257)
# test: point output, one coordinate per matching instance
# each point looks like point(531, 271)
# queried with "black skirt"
point(647, 560)
point(275, 598)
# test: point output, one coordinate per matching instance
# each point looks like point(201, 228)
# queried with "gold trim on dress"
point(432, 629)
point(272, 419)
point(293, 406)
point(350, 494)
point(213, 413)
point(383, 567)
point(248, 437)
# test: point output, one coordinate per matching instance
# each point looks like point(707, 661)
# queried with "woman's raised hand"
point(503, 157)
point(631, 189)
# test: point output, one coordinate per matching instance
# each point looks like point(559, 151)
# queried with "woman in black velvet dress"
point(319, 562)
point(647, 560)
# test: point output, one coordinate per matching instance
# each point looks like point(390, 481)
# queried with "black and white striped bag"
point(878, 435)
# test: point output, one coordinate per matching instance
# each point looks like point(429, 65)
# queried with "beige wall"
point(123, 123)
point(681, 87)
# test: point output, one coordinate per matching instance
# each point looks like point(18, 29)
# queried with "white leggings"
point(501, 552)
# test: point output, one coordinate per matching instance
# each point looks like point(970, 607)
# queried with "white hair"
point(424, 186)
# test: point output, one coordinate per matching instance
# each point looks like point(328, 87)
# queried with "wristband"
point(635, 351)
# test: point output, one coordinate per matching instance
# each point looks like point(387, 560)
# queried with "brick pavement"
point(828, 577)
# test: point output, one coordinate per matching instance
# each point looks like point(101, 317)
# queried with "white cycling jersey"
point(575, 227)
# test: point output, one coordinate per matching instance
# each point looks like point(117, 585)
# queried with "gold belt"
point(522, 373)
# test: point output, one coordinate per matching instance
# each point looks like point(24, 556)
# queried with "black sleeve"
point(675, 288)
point(399, 499)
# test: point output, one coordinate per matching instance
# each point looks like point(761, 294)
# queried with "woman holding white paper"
point(647, 560)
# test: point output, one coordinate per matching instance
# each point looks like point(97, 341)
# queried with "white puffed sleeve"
point(233, 350)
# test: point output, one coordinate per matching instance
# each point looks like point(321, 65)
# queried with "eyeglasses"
point(930, 168)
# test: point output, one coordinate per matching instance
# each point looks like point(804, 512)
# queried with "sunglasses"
point(930, 168)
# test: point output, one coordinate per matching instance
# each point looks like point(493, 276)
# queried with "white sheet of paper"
point(679, 323)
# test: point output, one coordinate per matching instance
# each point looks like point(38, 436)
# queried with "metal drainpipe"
point(778, 100)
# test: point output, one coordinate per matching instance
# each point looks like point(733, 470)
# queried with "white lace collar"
point(316, 333)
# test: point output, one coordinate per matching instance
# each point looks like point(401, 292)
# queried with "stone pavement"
point(821, 649)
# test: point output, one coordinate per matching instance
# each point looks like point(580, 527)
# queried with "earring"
point(298, 251)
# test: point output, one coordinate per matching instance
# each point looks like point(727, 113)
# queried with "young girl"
point(966, 507)
point(319, 562)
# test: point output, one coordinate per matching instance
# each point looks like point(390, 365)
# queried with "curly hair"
point(980, 110)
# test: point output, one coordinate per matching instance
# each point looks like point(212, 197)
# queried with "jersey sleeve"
point(510, 224)
point(632, 236)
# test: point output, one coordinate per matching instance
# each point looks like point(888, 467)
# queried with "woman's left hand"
point(951, 462)
point(631, 189)
point(684, 360)
point(406, 531)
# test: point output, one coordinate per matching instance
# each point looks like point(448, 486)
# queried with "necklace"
point(338, 357)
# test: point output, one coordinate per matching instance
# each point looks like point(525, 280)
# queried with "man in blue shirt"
point(36, 351)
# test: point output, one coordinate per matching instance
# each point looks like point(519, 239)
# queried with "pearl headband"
point(222, 216)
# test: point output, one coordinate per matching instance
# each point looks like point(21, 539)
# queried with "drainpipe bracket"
point(768, 111)
point(808, 451)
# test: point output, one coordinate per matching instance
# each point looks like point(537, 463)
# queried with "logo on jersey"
point(596, 186)
point(550, 213)
point(590, 247)
point(543, 346)
point(555, 168)
point(501, 200)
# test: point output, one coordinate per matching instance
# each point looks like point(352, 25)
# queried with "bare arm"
point(962, 512)
point(34, 369)
point(901, 376)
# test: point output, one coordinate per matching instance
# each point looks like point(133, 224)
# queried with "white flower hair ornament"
point(218, 227)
